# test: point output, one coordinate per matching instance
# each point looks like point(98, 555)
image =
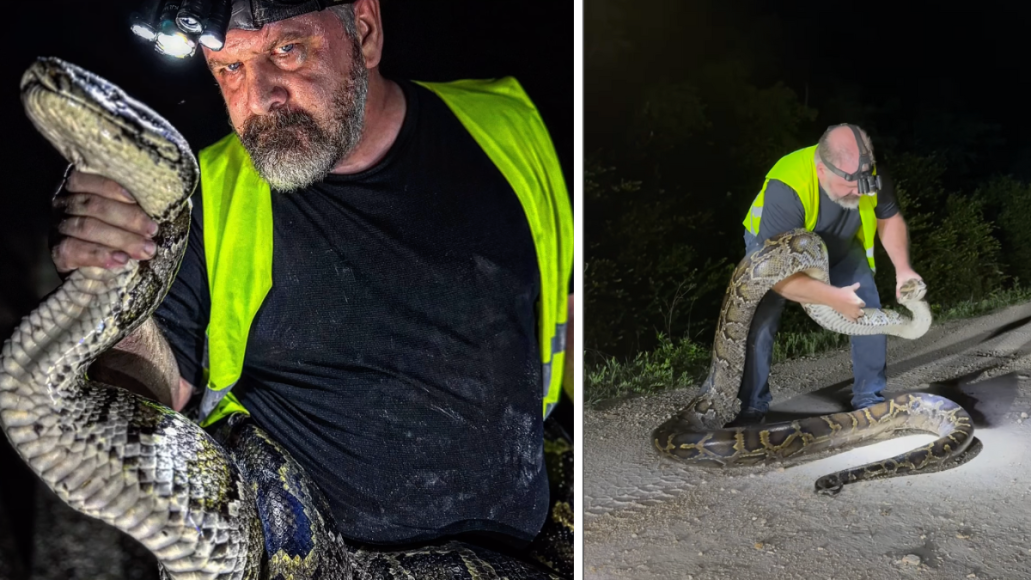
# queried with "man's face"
point(844, 193)
point(295, 91)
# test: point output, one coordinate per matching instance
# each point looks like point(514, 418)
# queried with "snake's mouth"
point(64, 80)
point(37, 74)
point(54, 90)
point(52, 75)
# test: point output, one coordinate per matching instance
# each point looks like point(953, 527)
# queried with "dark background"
point(901, 69)
point(688, 104)
point(423, 41)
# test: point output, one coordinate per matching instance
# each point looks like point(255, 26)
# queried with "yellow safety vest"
point(238, 231)
point(798, 171)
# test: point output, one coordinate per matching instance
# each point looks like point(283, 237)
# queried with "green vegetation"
point(683, 363)
point(672, 365)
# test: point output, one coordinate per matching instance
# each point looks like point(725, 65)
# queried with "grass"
point(994, 301)
point(673, 365)
point(681, 363)
point(792, 344)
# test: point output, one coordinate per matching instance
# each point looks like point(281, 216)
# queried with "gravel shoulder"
point(646, 516)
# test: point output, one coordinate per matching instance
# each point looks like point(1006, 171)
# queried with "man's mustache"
point(278, 119)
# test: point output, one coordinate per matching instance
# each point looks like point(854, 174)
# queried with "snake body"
point(229, 504)
point(696, 434)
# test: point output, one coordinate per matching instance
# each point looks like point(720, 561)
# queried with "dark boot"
point(748, 417)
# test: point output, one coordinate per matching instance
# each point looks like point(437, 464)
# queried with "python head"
point(912, 290)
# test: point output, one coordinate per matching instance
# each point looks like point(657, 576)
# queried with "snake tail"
point(919, 412)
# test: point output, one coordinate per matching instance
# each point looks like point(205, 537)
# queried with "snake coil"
point(696, 434)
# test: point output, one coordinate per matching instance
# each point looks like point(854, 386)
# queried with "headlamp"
point(176, 27)
point(865, 175)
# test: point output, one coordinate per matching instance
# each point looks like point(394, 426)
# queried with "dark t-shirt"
point(396, 354)
point(783, 211)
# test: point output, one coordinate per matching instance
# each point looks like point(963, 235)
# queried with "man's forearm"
point(895, 239)
point(802, 288)
point(144, 364)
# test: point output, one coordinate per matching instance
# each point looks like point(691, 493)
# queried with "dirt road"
point(648, 517)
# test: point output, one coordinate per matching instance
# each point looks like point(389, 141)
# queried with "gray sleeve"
point(782, 210)
point(887, 203)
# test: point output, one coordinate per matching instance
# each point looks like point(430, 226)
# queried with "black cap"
point(254, 14)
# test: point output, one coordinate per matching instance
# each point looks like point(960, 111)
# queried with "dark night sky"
point(970, 63)
point(423, 41)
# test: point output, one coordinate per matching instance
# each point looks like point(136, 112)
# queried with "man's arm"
point(143, 363)
point(783, 211)
point(892, 230)
point(895, 239)
point(99, 224)
point(802, 288)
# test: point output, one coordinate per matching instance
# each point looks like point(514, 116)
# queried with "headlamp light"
point(176, 27)
point(172, 41)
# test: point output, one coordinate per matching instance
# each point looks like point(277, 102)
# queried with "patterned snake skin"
point(696, 434)
point(229, 504)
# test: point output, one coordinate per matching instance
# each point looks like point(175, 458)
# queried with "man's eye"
point(287, 48)
point(233, 67)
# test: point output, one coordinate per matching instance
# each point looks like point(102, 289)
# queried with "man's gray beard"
point(291, 150)
point(846, 202)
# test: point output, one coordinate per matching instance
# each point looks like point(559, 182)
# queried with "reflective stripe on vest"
point(797, 170)
point(238, 231)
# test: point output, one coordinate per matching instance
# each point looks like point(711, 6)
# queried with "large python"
point(229, 504)
point(696, 434)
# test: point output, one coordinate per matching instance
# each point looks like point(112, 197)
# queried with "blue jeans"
point(869, 353)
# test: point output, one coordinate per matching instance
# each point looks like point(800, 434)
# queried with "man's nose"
point(265, 89)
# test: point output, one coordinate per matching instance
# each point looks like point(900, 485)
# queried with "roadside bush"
point(1008, 203)
point(952, 246)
